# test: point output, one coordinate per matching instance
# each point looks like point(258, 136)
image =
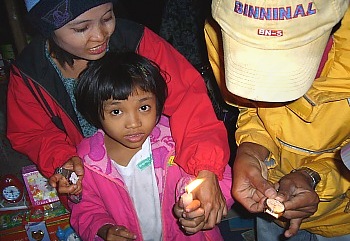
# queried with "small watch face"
point(274, 207)
point(11, 193)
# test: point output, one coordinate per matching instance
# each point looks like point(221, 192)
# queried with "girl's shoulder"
point(163, 145)
point(161, 134)
point(98, 152)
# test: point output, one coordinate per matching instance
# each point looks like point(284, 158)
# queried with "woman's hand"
point(62, 184)
point(211, 198)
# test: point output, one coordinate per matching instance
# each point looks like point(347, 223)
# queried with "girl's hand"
point(191, 218)
point(115, 233)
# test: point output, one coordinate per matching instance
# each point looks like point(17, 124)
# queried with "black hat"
point(49, 15)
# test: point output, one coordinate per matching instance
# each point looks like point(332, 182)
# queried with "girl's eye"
point(145, 108)
point(80, 30)
point(115, 112)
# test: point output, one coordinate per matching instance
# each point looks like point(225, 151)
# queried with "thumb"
point(264, 186)
point(293, 228)
point(178, 210)
point(78, 166)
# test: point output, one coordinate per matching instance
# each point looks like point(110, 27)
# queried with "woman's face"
point(87, 35)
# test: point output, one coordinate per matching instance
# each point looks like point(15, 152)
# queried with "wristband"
point(315, 177)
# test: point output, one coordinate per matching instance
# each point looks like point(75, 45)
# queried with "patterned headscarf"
point(49, 15)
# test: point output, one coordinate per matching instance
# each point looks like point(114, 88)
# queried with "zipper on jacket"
point(330, 150)
point(347, 207)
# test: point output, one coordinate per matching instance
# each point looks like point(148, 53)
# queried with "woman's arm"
point(201, 139)
point(31, 131)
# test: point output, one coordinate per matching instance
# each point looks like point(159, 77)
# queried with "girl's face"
point(127, 123)
point(87, 35)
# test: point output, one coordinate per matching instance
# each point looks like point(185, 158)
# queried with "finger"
point(125, 233)
point(213, 209)
point(214, 218)
point(224, 212)
point(293, 228)
point(53, 180)
point(79, 187)
point(78, 166)
point(199, 212)
point(194, 230)
point(195, 204)
point(211, 222)
point(265, 187)
point(193, 225)
point(65, 187)
point(302, 204)
point(178, 211)
point(61, 183)
point(250, 193)
point(285, 190)
point(254, 205)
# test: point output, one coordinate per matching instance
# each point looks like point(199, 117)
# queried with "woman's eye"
point(108, 19)
point(80, 30)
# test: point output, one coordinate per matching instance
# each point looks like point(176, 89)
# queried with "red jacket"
point(201, 140)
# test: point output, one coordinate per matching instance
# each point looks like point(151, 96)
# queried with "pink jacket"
point(106, 199)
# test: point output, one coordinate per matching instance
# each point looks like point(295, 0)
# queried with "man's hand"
point(299, 198)
point(211, 198)
point(250, 187)
point(63, 186)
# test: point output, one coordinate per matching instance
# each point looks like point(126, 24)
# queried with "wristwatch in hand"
point(70, 175)
point(274, 207)
point(315, 177)
point(72, 178)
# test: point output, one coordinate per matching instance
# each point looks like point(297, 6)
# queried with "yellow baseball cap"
point(272, 48)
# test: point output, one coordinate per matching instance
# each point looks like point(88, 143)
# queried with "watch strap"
point(315, 177)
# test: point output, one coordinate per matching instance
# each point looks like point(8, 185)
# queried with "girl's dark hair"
point(117, 75)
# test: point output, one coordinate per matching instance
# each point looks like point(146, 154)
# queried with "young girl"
point(130, 178)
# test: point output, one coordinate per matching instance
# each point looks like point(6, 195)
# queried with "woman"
point(44, 124)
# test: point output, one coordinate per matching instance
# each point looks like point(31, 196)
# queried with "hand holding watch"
point(276, 208)
point(72, 178)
